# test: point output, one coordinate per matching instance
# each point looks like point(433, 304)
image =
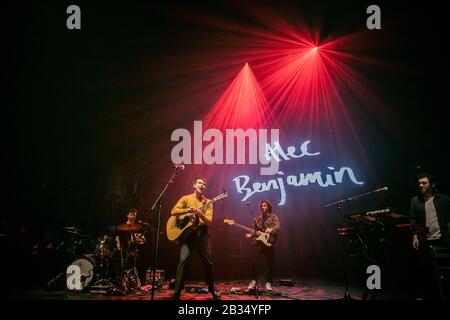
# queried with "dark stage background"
point(90, 113)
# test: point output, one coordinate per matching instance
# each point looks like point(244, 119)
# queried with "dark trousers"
point(263, 262)
point(198, 239)
point(427, 282)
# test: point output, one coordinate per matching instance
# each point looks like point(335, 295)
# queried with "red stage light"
point(242, 105)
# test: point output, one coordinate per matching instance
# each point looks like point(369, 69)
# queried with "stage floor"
point(230, 290)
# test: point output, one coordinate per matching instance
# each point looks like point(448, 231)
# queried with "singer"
point(198, 239)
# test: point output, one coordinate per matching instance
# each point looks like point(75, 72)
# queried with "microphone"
point(144, 223)
point(381, 189)
point(178, 167)
point(251, 212)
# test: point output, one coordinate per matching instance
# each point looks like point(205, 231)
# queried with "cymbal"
point(72, 229)
point(69, 228)
point(129, 227)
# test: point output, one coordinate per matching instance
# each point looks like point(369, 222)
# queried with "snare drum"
point(87, 265)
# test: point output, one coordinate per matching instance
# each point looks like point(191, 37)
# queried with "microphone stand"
point(255, 253)
point(158, 202)
point(340, 208)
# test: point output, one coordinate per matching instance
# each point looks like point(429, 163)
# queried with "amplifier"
point(286, 282)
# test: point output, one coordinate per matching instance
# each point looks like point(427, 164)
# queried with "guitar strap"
point(262, 224)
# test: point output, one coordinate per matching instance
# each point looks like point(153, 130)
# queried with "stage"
point(230, 290)
point(273, 140)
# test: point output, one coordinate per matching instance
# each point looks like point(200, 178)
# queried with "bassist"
point(267, 222)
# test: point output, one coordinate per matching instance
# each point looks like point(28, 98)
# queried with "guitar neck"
point(243, 227)
point(203, 207)
point(212, 201)
point(207, 204)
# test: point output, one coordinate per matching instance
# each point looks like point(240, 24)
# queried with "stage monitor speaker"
point(286, 282)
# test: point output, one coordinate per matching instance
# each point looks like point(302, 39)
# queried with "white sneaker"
point(268, 286)
point(252, 285)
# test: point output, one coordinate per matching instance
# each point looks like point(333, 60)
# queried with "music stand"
point(158, 202)
point(340, 204)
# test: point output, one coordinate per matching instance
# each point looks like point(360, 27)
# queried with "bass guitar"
point(263, 237)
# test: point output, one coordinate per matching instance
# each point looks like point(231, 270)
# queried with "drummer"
point(128, 239)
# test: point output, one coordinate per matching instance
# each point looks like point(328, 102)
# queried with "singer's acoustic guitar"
point(180, 226)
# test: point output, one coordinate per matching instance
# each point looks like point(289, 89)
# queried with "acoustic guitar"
point(180, 226)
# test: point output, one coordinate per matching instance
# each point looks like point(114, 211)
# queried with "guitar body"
point(260, 237)
point(179, 227)
point(265, 238)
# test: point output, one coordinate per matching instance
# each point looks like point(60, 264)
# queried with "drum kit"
point(100, 260)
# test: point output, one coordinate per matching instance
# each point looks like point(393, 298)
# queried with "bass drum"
point(81, 272)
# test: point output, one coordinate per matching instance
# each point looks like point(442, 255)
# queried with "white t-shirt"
point(432, 220)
